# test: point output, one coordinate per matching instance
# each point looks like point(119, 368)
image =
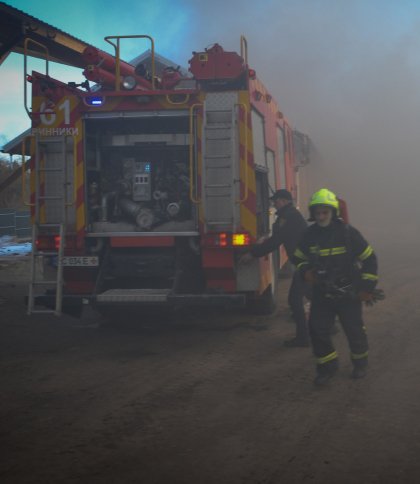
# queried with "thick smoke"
point(348, 74)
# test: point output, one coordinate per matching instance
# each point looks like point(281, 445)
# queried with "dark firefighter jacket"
point(340, 253)
point(287, 230)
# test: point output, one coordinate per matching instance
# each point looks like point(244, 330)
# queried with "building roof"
point(14, 146)
point(16, 26)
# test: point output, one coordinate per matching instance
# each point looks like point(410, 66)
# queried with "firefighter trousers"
point(321, 319)
point(296, 304)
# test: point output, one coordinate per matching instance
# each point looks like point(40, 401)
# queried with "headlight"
point(129, 83)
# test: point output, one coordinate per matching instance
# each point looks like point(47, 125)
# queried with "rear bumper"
point(164, 297)
point(73, 304)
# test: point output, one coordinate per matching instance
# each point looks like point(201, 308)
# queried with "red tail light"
point(52, 242)
point(45, 243)
point(224, 239)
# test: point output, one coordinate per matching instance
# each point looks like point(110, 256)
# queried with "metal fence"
point(15, 222)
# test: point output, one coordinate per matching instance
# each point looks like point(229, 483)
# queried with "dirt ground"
point(208, 397)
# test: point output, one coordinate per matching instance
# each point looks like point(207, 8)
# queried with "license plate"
point(81, 261)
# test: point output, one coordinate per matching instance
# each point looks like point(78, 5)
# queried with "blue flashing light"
point(147, 168)
point(95, 100)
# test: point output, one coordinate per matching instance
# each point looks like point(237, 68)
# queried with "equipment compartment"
point(138, 176)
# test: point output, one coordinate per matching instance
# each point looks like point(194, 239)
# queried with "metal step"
point(133, 295)
point(50, 170)
point(51, 140)
point(219, 185)
point(220, 222)
point(50, 197)
point(219, 138)
point(218, 157)
point(219, 110)
point(217, 126)
point(218, 167)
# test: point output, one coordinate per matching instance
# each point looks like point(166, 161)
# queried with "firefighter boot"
point(359, 368)
point(325, 372)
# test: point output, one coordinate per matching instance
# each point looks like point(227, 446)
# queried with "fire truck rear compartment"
point(138, 177)
point(137, 183)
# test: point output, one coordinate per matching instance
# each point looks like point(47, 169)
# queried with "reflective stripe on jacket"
point(341, 251)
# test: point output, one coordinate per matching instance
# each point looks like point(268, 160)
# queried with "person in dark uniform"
point(287, 230)
point(342, 268)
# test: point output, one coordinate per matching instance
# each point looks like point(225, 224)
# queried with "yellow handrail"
point(246, 191)
point(117, 55)
point(192, 198)
point(25, 66)
point(27, 204)
point(244, 49)
point(74, 168)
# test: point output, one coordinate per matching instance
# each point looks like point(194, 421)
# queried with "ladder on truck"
point(220, 173)
point(50, 217)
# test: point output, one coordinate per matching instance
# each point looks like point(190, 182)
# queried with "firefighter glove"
point(366, 297)
point(377, 295)
point(370, 298)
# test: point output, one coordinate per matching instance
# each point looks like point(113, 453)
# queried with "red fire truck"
point(147, 186)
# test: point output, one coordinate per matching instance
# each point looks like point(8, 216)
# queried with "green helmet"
point(324, 197)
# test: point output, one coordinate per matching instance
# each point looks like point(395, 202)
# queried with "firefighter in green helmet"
point(342, 268)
